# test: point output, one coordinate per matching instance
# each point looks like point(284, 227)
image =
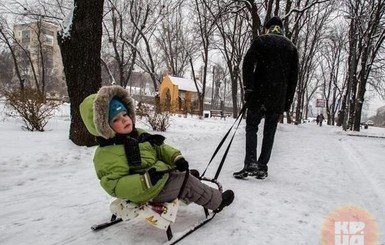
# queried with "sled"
point(160, 215)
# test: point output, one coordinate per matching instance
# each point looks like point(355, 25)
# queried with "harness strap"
point(228, 147)
point(131, 144)
point(187, 173)
point(239, 119)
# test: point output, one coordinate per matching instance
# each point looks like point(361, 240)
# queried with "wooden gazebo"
point(178, 95)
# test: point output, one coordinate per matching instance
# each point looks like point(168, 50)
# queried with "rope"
point(239, 119)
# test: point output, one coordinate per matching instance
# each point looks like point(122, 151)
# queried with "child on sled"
point(135, 165)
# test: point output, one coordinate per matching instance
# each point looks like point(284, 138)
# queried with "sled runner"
point(160, 215)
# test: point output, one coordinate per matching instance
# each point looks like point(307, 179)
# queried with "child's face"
point(122, 123)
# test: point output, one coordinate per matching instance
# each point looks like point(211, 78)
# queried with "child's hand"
point(155, 176)
point(181, 164)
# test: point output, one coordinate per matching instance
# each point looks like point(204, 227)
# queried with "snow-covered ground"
point(50, 194)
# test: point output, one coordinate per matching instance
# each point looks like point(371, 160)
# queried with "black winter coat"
point(270, 71)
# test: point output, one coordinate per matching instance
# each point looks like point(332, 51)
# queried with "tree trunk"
point(360, 98)
point(298, 109)
point(80, 50)
point(358, 107)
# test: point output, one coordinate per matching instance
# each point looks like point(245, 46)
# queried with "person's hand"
point(181, 164)
point(280, 118)
point(248, 94)
point(155, 176)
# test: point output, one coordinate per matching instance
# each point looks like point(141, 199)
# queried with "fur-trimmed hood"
point(94, 110)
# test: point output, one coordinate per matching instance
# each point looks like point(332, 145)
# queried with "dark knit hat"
point(274, 21)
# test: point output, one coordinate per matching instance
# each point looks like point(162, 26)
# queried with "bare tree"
point(367, 35)
point(313, 21)
point(310, 92)
point(219, 93)
point(151, 15)
point(6, 36)
point(176, 41)
point(122, 37)
point(6, 69)
point(233, 42)
point(332, 56)
point(205, 26)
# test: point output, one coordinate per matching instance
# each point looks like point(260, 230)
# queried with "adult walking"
point(270, 72)
point(320, 119)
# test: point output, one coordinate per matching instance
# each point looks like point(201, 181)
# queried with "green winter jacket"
point(116, 176)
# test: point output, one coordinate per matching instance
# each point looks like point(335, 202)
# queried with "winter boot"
point(261, 173)
point(251, 170)
point(256, 170)
point(241, 174)
point(227, 199)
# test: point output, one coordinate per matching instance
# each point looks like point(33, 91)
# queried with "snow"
point(50, 193)
point(66, 24)
point(185, 84)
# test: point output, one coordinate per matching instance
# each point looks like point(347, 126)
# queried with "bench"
point(214, 113)
point(218, 113)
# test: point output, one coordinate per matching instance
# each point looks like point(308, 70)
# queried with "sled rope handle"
point(239, 119)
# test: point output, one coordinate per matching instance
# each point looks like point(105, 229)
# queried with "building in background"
point(178, 95)
point(39, 59)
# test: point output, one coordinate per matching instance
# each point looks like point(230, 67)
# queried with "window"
point(48, 37)
point(25, 36)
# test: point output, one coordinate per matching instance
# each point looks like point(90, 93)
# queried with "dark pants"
point(253, 119)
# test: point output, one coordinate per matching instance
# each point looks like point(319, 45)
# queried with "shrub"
point(142, 110)
point(158, 121)
point(31, 107)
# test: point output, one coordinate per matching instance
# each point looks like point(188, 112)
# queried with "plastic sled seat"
point(160, 215)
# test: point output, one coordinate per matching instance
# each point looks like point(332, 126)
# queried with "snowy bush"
point(31, 106)
point(142, 109)
point(158, 121)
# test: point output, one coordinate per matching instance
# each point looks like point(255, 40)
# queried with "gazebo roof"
point(185, 84)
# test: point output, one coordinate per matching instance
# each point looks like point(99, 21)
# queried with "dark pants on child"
point(253, 119)
point(194, 191)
